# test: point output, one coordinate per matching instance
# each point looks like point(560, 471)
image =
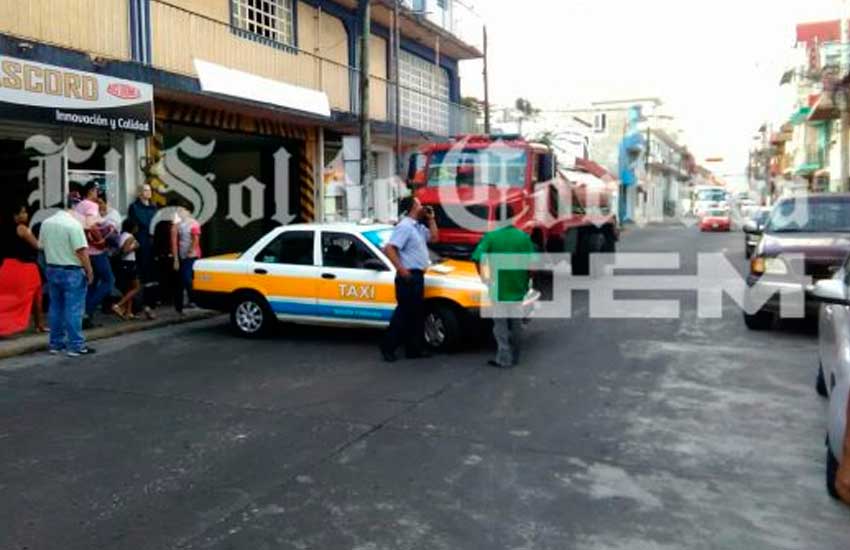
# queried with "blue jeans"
point(104, 280)
point(67, 289)
point(184, 282)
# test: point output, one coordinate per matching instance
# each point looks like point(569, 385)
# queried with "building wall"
point(605, 145)
point(214, 9)
point(184, 30)
point(378, 87)
point(71, 24)
point(181, 36)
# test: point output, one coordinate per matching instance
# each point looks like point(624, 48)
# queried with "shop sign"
point(48, 94)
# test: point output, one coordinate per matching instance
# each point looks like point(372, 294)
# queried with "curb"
point(34, 344)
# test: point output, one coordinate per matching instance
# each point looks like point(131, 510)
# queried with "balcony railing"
point(181, 36)
point(100, 27)
point(459, 19)
point(420, 110)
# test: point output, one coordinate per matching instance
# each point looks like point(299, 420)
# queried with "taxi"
point(333, 274)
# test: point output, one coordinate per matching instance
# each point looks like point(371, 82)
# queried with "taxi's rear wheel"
point(251, 315)
point(442, 327)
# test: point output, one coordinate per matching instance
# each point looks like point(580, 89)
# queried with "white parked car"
point(833, 379)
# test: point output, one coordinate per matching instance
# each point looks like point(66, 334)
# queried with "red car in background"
point(716, 219)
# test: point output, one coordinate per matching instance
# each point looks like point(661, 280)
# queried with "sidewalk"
point(29, 342)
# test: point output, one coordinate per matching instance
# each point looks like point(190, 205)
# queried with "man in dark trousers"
point(408, 251)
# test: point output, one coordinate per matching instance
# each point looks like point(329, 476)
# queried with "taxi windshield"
point(380, 238)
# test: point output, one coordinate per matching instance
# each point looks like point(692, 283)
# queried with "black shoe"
point(388, 356)
point(494, 363)
point(84, 351)
point(422, 354)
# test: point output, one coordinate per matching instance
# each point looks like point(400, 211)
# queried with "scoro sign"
point(36, 92)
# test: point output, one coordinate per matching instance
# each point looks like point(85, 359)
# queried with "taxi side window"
point(346, 251)
point(290, 248)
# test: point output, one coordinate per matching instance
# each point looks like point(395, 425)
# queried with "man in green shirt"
point(509, 282)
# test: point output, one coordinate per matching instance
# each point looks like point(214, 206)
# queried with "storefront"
point(241, 173)
point(60, 128)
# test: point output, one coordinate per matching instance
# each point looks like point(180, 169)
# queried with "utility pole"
point(845, 108)
point(396, 64)
point(365, 129)
point(766, 155)
point(486, 88)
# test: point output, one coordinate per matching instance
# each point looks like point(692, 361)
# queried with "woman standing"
point(20, 282)
point(186, 248)
point(127, 271)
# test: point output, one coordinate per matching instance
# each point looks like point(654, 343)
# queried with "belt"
point(417, 270)
point(69, 267)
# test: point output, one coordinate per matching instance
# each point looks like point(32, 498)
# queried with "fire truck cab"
point(467, 180)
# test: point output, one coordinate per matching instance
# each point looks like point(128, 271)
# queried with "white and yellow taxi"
point(333, 274)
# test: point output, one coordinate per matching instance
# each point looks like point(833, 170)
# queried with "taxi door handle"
point(328, 276)
point(261, 271)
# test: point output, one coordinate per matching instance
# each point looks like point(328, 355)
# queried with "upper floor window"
point(600, 122)
point(270, 19)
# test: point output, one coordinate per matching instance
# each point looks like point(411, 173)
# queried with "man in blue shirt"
point(408, 251)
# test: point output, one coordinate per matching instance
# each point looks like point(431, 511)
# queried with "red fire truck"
point(466, 180)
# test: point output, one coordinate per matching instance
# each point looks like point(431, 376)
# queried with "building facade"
point(638, 140)
point(800, 151)
point(253, 105)
point(669, 171)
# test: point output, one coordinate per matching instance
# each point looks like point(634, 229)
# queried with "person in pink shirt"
point(186, 248)
point(89, 212)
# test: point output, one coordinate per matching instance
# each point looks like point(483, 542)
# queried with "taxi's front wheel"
point(251, 315)
point(442, 327)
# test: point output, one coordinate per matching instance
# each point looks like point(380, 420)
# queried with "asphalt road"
point(614, 434)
